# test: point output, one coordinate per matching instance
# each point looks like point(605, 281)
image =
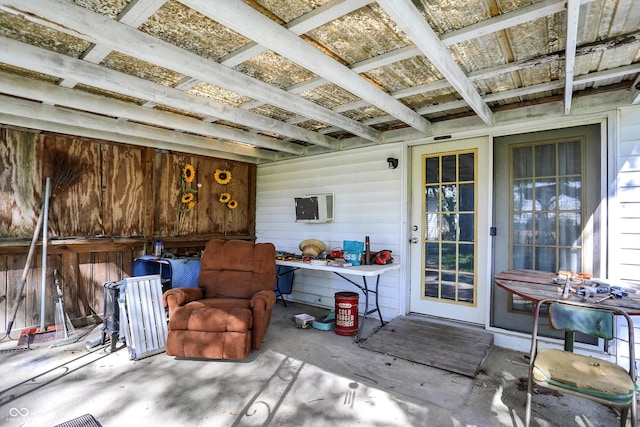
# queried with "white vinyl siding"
point(626, 245)
point(368, 202)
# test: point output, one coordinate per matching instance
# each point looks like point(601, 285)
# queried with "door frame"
point(512, 124)
point(484, 145)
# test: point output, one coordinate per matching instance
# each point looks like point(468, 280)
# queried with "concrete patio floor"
point(300, 377)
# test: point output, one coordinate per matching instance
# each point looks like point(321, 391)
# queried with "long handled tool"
point(45, 233)
point(41, 334)
point(25, 271)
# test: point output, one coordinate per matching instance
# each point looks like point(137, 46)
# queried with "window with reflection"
point(450, 227)
point(546, 207)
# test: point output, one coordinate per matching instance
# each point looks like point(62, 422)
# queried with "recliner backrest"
point(237, 268)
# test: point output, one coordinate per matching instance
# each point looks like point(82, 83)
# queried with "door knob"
point(414, 240)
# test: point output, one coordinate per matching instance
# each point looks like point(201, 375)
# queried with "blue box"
point(176, 272)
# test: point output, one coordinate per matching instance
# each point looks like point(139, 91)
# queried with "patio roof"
point(264, 80)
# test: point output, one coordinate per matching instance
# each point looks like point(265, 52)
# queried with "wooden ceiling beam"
point(573, 15)
point(245, 20)
point(411, 21)
point(80, 22)
point(43, 61)
point(55, 95)
point(301, 25)
point(20, 112)
point(504, 21)
point(133, 15)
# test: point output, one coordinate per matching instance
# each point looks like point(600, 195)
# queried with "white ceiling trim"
point(613, 73)
point(407, 16)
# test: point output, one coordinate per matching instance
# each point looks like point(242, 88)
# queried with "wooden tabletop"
point(537, 285)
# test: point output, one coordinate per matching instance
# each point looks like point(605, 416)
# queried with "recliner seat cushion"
point(207, 319)
point(220, 303)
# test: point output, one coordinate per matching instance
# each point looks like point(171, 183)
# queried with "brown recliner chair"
point(228, 315)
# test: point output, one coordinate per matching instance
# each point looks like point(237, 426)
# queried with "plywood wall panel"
point(123, 190)
point(21, 188)
point(75, 210)
point(165, 194)
point(188, 218)
point(209, 216)
point(217, 214)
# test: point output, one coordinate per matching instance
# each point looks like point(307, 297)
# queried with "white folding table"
point(362, 271)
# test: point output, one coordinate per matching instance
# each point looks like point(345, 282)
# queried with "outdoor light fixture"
point(393, 162)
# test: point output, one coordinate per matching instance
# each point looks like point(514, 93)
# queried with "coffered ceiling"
point(263, 80)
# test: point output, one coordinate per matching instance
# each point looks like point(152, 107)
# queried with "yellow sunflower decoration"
point(222, 176)
point(232, 204)
point(188, 173)
point(186, 194)
point(224, 198)
point(187, 198)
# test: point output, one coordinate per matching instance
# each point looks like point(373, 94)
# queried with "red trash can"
point(346, 313)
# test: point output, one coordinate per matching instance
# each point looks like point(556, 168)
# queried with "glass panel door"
point(449, 257)
point(449, 224)
point(548, 203)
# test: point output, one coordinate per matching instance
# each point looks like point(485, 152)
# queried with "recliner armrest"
point(177, 297)
point(269, 298)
